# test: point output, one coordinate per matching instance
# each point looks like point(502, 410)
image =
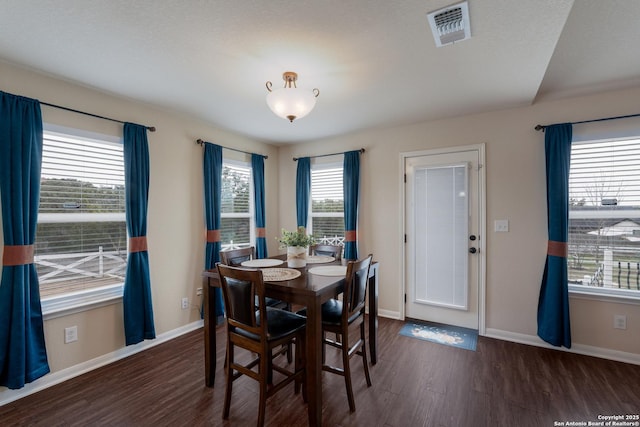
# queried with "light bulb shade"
point(291, 103)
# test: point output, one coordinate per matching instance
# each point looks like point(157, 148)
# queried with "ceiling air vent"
point(450, 24)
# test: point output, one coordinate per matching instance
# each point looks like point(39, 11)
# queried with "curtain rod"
point(542, 127)
point(201, 142)
point(295, 159)
point(150, 128)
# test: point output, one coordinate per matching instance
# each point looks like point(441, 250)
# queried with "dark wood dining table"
point(311, 291)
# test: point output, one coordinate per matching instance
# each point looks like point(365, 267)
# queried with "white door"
point(443, 202)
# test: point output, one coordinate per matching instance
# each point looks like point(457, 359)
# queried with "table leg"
point(373, 314)
point(209, 334)
point(314, 363)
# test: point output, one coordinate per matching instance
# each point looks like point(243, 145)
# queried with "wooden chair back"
point(235, 257)
point(328, 250)
point(241, 289)
point(355, 288)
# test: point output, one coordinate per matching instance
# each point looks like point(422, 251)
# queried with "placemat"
point(261, 263)
point(319, 259)
point(329, 270)
point(279, 274)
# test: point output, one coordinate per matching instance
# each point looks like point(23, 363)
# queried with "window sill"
point(76, 302)
point(620, 296)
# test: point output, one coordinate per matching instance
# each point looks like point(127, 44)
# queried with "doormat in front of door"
point(442, 334)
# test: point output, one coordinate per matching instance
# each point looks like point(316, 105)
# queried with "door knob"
point(472, 250)
point(472, 237)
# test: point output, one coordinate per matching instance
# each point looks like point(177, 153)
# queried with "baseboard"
point(586, 350)
point(390, 314)
point(7, 396)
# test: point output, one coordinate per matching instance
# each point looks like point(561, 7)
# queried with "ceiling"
point(374, 62)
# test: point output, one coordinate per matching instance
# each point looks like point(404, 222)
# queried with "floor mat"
point(442, 334)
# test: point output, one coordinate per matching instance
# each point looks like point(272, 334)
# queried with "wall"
point(176, 227)
point(515, 191)
point(515, 171)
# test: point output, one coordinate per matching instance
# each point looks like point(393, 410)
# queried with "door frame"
point(482, 241)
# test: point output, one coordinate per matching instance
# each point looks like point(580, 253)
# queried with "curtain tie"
point(350, 236)
point(137, 244)
point(559, 249)
point(18, 255)
point(261, 232)
point(213, 236)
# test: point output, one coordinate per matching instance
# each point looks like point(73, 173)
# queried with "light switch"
point(501, 225)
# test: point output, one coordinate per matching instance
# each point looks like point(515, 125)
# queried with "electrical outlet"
point(198, 292)
point(501, 225)
point(620, 321)
point(185, 303)
point(70, 334)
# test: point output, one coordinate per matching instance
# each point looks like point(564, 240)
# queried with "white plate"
point(279, 274)
point(329, 270)
point(261, 263)
point(319, 259)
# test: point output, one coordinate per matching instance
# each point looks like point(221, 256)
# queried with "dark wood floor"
point(415, 383)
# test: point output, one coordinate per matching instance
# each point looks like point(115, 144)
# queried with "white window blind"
point(237, 205)
point(604, 215)
point(327, 203)
point(81, 239)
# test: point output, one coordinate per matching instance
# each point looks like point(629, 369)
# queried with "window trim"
point(76, 302)
point(624, 296)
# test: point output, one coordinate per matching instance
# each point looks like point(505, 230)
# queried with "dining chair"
point(258, 331)
point(235, 258)
point(328, 250)
point(338, 316)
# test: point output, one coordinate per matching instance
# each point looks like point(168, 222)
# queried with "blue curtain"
point(303, 190)
point(23, 357)
point(257, 166)
point(212, 167)
point(553, 305)
point(136, 300)
point(351, 185)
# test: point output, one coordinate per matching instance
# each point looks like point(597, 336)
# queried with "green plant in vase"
point(297, 243)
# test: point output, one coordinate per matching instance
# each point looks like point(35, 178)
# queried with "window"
point(604, 217)
point(327, 204)
point(236, 228)
point(81, 239)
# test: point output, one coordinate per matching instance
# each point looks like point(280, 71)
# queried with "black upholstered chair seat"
point(331, 312)
point(272, 302)
point(279, 324)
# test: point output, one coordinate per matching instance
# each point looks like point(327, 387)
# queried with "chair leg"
point(229, 388)
point(289, 354)
point(347, 371)
point(265, 364)
point(324, 352)
point(301, 366)
point(269, 367)
point(364, 355)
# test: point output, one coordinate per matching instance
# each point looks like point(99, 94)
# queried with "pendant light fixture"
point(290, 102)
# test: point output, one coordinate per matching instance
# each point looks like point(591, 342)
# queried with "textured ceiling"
point(374, 62)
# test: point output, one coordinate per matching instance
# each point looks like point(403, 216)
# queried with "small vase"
point(297, 256)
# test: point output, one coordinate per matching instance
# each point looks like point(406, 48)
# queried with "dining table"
point(310, 290)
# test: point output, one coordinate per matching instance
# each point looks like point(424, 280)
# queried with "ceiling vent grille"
point(450, 24)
